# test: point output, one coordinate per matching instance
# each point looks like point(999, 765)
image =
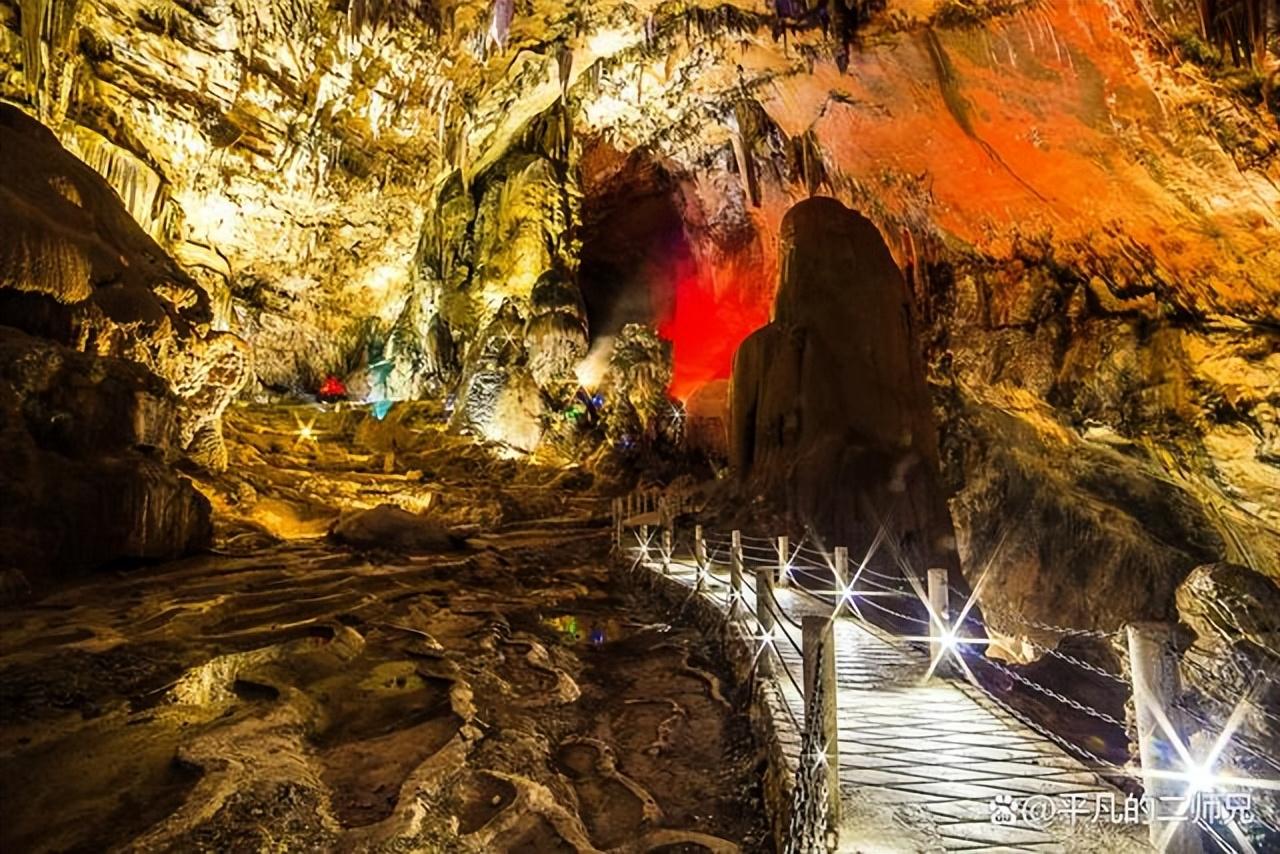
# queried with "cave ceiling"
point(1086, 215)
point(291, 147)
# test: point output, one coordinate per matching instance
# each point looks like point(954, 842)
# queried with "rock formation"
point(84, 479)
point(829, 402)
point(1233, 665)
point(1082, 197)
point(111, 371)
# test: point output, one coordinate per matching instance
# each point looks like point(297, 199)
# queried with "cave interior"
point(334, 336)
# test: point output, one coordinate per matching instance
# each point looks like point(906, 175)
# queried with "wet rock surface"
point(304, 696)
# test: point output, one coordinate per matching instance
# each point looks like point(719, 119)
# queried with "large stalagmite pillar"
point(829, 403)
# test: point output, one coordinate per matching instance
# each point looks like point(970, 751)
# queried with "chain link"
point(1049, 692)
point(1066, 631)
point(1081, 752)
point(1079, 662)
point(901, 616)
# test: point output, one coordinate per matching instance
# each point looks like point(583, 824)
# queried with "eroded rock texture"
point(507, 698)
point(84, 474)
point(829, 399)
point(111, 372)
point(1232, 665)
point(1081, 195)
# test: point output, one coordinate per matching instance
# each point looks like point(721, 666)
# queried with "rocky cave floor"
point(301, 694)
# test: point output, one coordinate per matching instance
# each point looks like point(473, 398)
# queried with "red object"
point(332, 387)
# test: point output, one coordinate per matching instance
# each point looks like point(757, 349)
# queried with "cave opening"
point(634, 247)
point(642, 262)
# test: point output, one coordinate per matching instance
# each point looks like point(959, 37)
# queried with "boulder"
point(1234, 613)
point(389, 527)
point(829, 406)
point(84, 479)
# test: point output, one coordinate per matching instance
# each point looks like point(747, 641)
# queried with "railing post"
point(699, 548)
point(644, 546)
point(666, 550)
point(938, 605)
point(765, 617)
point(735, 575)
point(840, 566)
point(1153, 667)
point(820, 711)
point(784, 561)
point(615, 507)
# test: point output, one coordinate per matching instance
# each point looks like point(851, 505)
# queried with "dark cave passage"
point(634, 249)
point(639, 265)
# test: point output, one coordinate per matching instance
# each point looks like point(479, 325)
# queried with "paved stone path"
point(925, 765)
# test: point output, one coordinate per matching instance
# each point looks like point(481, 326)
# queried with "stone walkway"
point(929, 766)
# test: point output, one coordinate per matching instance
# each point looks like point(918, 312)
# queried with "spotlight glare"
point(1202, 779)
point(306, 432)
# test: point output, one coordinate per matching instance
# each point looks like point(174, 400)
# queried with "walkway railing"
point(1185, 791)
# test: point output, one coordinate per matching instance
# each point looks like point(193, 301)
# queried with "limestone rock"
point(83, 478)
point(1234, 613)
point(1071, 533)
point(83, 272)
point(1232, 668)
point(829, 404)
point(389, 527)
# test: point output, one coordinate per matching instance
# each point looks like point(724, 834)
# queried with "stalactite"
point(500, 23)
point(739, 125)
point(136, 183)
point(1240, 27)
point(372, 14)
point(49, 64)
point(564, 66)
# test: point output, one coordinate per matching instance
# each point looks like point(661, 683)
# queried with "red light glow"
point(705, 329)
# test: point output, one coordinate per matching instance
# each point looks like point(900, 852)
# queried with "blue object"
point(597, 400)
point(381, 408)
point(597, 636)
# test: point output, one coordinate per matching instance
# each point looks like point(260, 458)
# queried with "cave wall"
point(109, 374)
point(1083, 201)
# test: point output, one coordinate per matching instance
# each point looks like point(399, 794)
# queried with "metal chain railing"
point(814, 571)
point(1052, 694)
point(1099, 764)
point(1079, 662)
point(1063, 631)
